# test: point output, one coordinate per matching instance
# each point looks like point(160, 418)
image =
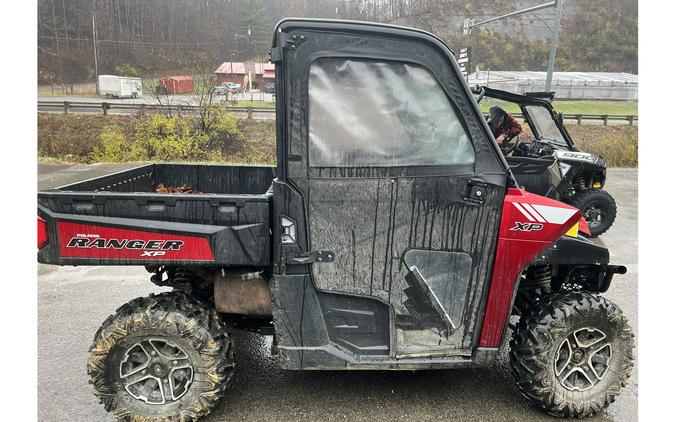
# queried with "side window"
point(365, 113)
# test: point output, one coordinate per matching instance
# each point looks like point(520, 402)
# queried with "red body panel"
point(91, 241)
point(43, 238)
point(530, 223)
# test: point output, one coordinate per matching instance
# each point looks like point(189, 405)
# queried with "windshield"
point(544, 124)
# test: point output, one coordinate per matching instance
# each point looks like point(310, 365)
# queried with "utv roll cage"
point(542, 99)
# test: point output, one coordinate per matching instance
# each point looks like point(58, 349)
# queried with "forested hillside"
point(152, 37)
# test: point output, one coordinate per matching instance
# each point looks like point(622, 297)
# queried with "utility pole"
point(93, 30)
point(554, 45)
point(471, 23)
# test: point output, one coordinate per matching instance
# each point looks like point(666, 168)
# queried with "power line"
point(154, 43)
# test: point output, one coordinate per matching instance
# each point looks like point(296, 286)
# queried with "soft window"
point(365, 113)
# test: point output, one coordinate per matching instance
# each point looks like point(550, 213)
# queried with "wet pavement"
point(73, 301)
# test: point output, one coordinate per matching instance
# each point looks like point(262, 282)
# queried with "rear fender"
point(530, 223)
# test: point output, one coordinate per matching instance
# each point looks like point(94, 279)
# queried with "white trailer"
point(120, 86)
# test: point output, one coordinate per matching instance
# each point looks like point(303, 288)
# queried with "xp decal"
point(527, 227)
point(91, 241)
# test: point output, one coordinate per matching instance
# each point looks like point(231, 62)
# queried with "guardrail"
point(105, 108)
point(604, 118)
point(180, 109)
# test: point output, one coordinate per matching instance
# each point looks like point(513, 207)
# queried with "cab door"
point(400, 182)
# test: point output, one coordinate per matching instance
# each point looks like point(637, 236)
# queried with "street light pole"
point(471, 23)
point(93, 30)
point(554, 45)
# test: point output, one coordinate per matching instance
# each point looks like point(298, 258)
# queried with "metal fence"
point(105, 108)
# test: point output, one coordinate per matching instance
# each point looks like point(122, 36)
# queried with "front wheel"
point(598, 208)
point(159, 358)
point(572, 355)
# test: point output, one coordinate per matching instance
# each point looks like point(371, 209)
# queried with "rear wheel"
point(572, 355)
point(598, 208)
point(163, 357)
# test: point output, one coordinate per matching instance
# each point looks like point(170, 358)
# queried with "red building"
point(231, 72)
point(178, 84)
point(268, 72)
point(237, 72)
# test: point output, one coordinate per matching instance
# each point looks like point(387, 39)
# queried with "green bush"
point(126, 69)
point(221, 128)
point(161, 138)
point(115, 147)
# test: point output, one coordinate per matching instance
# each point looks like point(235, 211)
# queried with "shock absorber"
point(579, 183)
point(533, 286)
point(539, 277)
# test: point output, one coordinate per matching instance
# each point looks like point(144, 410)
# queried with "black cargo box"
point(231, 213)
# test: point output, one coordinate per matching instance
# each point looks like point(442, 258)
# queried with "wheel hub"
point(159, 370)
point(582, 359)
point(577, 356)
point(593, 214)
point(156, 371)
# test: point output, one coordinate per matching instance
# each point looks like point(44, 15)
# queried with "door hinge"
point(284, 42)
point(276, 54)
point(312, 257)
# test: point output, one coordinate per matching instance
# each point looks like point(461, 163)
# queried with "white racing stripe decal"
point(544, 213)
point(554, 214)
point(522, 211)
point(533, 212)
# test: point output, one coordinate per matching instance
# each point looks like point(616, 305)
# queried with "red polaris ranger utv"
point(390, 235)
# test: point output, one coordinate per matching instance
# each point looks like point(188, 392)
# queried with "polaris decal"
point(90, 241)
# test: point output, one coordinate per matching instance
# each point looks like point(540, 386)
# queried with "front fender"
point(577, 260)
point(529, 225)
point(573, 251)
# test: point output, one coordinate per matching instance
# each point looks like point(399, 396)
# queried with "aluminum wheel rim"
point(582, 359)
point(156, 371)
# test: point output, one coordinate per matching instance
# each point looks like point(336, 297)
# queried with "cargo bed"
point(120, 219)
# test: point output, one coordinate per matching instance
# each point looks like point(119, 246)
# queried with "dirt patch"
point(260, 145)
point(72, 138)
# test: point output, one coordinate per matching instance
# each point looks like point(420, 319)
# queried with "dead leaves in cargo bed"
point(185, 189)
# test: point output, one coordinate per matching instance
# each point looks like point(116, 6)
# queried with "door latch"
point(475, 192)
point(312, 257)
